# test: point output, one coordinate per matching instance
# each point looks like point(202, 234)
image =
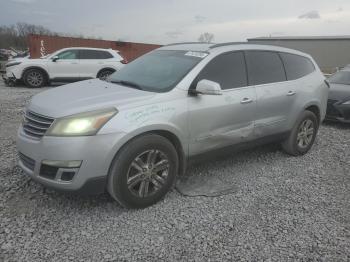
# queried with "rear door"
point(217, 121)
point(66, 67)
point(275, 96)
point(92, 61)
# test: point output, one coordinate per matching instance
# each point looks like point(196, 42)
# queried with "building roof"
point(293, 38)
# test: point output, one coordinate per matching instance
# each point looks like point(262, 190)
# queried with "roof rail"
point(229, 43)
point(186, 43)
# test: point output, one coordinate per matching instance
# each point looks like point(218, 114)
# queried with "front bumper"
point(9, 79)
point(336, 111)
point(95, 153)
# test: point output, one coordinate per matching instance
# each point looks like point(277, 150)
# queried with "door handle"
point(246, 100)
point(291, 93)
point(74, 63)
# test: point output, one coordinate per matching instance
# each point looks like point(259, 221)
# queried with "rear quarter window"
point(105, 55)
point(297, 66)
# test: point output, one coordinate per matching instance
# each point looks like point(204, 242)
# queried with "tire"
point(34, 78)
point(129, 171)
point(301, 137)
point(104, 73)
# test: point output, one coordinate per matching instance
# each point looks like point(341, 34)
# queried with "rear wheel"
point(34, 78)
point(105, 73)
point(143, 171)
point(303, 135)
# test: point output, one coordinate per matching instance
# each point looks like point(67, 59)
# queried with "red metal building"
point(40, 45)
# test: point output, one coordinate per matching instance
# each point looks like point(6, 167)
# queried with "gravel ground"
point(283, 208)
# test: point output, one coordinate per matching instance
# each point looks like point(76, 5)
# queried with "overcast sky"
point(165, 21)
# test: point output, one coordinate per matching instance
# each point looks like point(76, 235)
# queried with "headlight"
point(346, 103)
point(12, 64)
point(84, 124)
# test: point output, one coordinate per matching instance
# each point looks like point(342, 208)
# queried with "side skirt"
point(229, 150)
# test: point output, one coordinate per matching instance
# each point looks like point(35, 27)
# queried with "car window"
point(94, 54)
point(229, 70)
point(105, 55)
point(69, 54)
point(297, 66)
point(342, 77)
point(89, 54)
point(264, 67)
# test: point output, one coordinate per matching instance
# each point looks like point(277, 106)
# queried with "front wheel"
point(143, 171)
point(302, 136)
point(34, 78)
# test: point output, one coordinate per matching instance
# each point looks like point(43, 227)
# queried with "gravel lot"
point(283, 208)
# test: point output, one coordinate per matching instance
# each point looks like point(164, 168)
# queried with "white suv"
point(65, 65)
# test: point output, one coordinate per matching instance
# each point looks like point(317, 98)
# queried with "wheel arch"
point(167, 134)
point(105, 68)
point(38, 68)
point(314, 108)
point(178, 146)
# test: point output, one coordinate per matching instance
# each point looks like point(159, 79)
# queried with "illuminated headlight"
point(84, 124)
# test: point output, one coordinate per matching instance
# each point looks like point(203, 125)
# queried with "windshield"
point(158, 71)
point(342, 77)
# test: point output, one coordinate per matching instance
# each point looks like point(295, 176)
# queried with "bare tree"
point(15, 36)
point(206, 38)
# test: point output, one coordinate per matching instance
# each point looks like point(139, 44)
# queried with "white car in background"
point(65, 65)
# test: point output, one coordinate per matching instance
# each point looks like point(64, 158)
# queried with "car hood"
point(339, 92)
point(85, 96)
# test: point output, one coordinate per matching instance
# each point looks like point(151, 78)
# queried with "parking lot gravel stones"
point(283, 208)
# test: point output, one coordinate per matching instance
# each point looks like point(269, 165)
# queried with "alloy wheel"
point(305, 133)
point(148, 173)
point(35, 78)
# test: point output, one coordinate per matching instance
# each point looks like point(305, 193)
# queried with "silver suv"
point(134, 134)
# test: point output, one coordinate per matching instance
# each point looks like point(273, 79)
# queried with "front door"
point(217, 121)
point(66, 67)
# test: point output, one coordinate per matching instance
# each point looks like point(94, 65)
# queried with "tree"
point(15, 36)
point(206, 38)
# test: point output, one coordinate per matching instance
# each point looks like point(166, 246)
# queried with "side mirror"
point(54, 58)
point(207, 87)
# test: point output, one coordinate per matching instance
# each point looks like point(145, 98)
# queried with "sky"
point(169, 21)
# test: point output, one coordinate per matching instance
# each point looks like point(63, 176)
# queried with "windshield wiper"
point(127, 83)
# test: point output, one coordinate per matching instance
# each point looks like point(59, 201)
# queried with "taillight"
point(124, 61)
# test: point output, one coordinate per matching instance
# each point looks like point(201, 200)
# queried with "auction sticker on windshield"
point(196, 54)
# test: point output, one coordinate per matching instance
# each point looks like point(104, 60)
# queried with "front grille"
point(331, 110)
point(36, 125)
point(27, 161)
